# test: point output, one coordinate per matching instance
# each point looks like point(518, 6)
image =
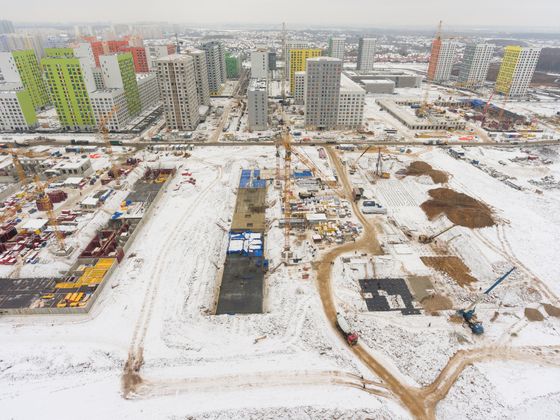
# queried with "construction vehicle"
point(469, 315)
point(350, 335)
point(425, 239)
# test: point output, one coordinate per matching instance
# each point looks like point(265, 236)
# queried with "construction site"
point(405, 269)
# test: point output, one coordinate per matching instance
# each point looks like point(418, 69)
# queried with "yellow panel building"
point(298, 62)
point(516, 70)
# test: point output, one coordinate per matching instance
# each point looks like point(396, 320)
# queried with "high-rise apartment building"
point(476, 61)
point(298, 62)
point(153, 52)
point(366, 54)
point(259, 64)
point(272, 60)
point(84, 50)
point(517, 70)
point(299, 88)
point(257, 104)
point(216, 64)
point(336, 48)
point(322, 92)
point(441, 60)
point(293, 45)
point(118, 73)
point(11, 42)
point(177, 85)
point(22, 67)
point(233, 65)
point(16, 109)
point(70, 81)
point(350, 104)
point(6, 27)
point(111, 105)
point(201, 76)
point(139, 58)
point(148, 90)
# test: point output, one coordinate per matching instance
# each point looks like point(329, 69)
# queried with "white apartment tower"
point(444, 61)
point(201, 75)
point(216, 64)
point(299, 90)
point(366, 54)
point(257, 105)
point(350, 104)
point(517, 70)
point(476, 61)
point(336, 48)
point(177, 85)
point(259, 64)
point(322, 92)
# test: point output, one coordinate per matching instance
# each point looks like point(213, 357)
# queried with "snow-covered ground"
point(288, 362)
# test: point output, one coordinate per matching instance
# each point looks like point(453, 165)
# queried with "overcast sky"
point(499, 13)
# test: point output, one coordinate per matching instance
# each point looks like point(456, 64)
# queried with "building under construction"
point(241, 290)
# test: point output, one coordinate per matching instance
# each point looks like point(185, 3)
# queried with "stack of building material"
point(246, 243)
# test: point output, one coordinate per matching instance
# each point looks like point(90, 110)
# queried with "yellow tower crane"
point(104, 130)
point(47, 205)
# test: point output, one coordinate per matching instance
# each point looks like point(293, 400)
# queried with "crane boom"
point(485, 293)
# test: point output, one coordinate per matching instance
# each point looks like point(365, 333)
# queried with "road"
point(539, 143)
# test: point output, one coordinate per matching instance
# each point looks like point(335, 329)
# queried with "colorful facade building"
point(17, 112)
point(298, 62)
point(233, 65)
point(70, 82)
point(118, 73)
point(517, 70)
point(139, 57)
point(21, 66)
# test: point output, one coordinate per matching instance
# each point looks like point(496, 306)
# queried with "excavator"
point(428, 239)
point(469, 315)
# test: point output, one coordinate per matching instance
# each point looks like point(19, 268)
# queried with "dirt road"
point(421, 402)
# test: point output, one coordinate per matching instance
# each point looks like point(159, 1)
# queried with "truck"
point(350, 335)
point(116, 142)
point(357, 193)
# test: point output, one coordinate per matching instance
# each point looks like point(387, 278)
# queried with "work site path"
point(421, 402)
point(131, 374)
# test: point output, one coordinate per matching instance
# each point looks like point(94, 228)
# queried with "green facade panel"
point(59, 52)
point(128, 75)
point(69, 93)
point(26, 105)
point(233, 66)
point(31, 77)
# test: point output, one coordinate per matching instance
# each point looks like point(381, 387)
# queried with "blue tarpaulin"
point(303, 174)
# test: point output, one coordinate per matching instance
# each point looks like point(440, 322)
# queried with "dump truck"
point(350, 335)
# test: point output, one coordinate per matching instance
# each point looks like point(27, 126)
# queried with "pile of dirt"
point(459, 208)
point(533, 314)
point(419, 168)
point(453, 266)
point(552, 310)
point(435, 302)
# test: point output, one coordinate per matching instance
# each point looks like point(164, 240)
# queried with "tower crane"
point(49, 208)
point(285, 55)
point(104, 130)
point(287, 196)
point(469, 315)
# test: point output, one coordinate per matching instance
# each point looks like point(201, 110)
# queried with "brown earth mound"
point(434, 303)
point(552, 310)
point(454, 267)
point(419, 168)
point(533, 314)
point(459, 208)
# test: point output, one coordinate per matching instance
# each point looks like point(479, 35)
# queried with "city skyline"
point(499, 13)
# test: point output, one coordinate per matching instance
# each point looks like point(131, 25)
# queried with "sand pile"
point(458, 207)
point(419, 168)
